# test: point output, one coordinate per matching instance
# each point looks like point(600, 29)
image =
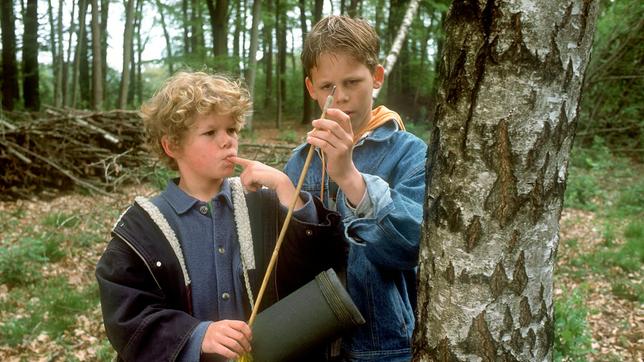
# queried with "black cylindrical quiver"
point(316, 313)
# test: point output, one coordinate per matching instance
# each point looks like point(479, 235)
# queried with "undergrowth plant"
point(573, 341)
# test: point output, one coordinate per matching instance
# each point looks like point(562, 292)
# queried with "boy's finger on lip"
point(238, 160)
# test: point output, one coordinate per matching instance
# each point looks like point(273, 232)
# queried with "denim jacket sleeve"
point(390, 233)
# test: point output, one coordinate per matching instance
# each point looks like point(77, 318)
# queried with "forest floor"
point(49, 246)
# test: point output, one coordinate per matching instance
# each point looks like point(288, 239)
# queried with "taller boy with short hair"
point(177, 279)
point(375, 178)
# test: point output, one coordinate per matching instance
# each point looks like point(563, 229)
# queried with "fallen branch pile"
point(98, 151)
point(61, 148)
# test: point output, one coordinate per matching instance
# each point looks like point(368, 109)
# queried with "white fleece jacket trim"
point(167, 231)
point(242, 221)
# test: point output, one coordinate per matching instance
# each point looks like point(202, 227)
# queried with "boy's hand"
point(257, 174)
point(334, 136)
point(227, 338)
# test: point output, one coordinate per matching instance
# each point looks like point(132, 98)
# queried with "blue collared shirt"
point(210, 247)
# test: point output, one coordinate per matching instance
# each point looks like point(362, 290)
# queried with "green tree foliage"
point(614, 90)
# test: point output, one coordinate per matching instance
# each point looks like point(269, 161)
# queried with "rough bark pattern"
point(512, 74)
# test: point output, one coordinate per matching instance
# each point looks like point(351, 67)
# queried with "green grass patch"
point(610, 187)
point(20, 263)
point(573, 341)
point(61, 220)
point(50, 306)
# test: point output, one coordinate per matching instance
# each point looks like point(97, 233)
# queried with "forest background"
point(60, 63)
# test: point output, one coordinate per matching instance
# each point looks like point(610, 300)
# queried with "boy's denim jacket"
point(383, 252)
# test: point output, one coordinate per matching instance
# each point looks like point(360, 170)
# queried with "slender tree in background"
point(166, 36)
point(52, 47)
point(60, 61)
point(352, 11)
point(196, 25)
point(82, 12)
point(237, 34)
point(390, 61)
point(512, 75)
point(306, 101)
point(10, 89)
point(84, 78)
point(105, 4)
point(318, 6)
point(127, 53)
point(280, 70)
point(72, 30)
point(186, 25)
point(219, 20)
point(97, 64)
point(140, 45)
point(268, 53)
point(31, 92)
point(251, 70)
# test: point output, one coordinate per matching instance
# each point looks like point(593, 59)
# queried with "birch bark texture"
point(512, 73)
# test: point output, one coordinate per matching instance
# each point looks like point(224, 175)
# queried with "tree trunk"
point(186, 25)
point(512, 75)
point(83, 71)
point(97, 64)
point(238, 30)
point(251, 71)
point(166, 36)
point(127, 53)
point(10, 88)
point(268, 56)
point(196, 26)
point(280, 32)
point(194, 31)
point(353, 9)
point(105, 4)
point(244, 19)
point(72, 29)
point(140, 45)
point(82, 12)
point(412, 8)
point(31, 93)
point(219, 28)
point(306, 106)
point(60, 61)
point(317, 10)
point(53, 45)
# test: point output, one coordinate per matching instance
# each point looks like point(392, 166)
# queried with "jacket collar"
point(181, 202)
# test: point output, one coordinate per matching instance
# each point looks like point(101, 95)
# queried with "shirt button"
point(203, 209)
point(221, 250)
point(225, 296)
point(309, 232)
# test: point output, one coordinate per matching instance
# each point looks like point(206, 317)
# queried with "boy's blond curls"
point(341, 34)
point(172, 110)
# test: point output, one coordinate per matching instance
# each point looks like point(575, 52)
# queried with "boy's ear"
point(168, 147)
point(378, 76)
point(309, 87)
